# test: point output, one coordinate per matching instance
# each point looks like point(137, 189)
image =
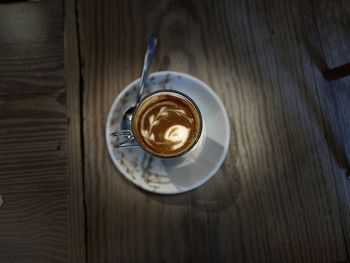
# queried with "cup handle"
point(128, 142)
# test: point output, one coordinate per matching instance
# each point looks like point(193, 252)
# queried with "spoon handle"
point(152, 44)
point(128, 141)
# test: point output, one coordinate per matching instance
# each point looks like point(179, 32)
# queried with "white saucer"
point(161, 176)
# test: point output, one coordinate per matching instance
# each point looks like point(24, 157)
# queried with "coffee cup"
point(166, 124)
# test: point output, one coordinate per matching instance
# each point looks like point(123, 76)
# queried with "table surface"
point(282, 194)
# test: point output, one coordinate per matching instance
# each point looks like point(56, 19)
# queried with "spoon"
point(152, 44)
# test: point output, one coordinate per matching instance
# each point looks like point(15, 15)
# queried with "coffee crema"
point(166, 124)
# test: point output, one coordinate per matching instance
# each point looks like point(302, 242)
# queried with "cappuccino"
point(167, 123)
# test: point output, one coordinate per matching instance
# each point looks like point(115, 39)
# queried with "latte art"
point(167, 124)
point(175, 136)
point(178, 135)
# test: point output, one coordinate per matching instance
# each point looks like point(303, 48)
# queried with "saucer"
point(167, 176)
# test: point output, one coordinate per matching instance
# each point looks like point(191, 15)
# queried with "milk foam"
point(178, 135)
point(175, 136)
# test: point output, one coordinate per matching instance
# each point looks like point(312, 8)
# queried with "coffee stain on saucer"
point(135, 163)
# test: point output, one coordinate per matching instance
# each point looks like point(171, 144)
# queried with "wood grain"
point(286, 188)
point(31, 47)
point(34, 217)
point(275, 199)
point(74, 150)
point(123, 224)
point(332, 23)
point(34, 228)
point(33, 143)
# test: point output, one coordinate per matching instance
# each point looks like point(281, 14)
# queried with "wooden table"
point(282, 194)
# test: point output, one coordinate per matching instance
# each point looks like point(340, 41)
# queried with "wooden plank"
point(34, 228)
point(33, 143)
point(34, 217)
point(275, 199)
point(332, 21)
point(124, 224)
point(280, 199)
point(31, 47)
point(74, 150)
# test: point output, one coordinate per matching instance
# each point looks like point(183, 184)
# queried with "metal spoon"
point(152, 44)
point(126, 129)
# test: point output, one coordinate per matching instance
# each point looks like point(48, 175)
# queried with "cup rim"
point(195, 142)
